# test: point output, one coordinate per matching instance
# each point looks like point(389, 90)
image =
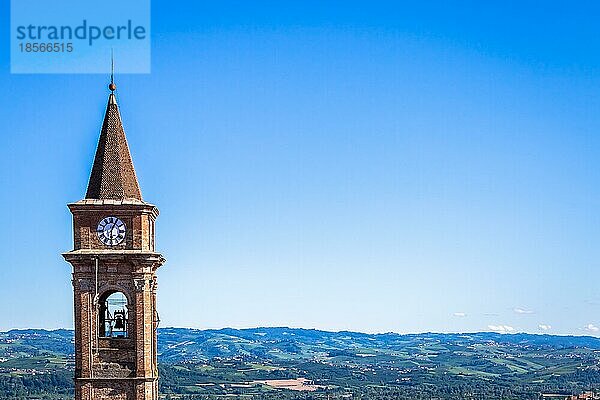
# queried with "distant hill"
point(176, 344)
point(181, 344)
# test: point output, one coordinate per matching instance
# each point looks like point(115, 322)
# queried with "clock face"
point(111, 231)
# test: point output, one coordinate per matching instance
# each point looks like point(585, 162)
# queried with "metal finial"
point(112, 85)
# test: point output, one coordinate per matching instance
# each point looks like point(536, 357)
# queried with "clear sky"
point(339, 165)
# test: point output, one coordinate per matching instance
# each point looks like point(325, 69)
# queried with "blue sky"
point(367, 166)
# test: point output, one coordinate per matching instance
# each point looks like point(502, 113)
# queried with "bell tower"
point(114, 276)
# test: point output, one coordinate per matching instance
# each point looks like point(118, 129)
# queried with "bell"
point(119, 320)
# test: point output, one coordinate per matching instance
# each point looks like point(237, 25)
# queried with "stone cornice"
point(110, 205)
point(114, 255)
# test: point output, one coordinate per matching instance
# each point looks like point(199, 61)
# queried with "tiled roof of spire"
point(113, 175)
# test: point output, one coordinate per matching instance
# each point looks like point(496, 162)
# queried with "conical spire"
point(113, 175)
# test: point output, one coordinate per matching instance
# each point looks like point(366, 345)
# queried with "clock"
point(111, 231)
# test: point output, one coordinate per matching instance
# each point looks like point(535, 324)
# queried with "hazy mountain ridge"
point(182, 344)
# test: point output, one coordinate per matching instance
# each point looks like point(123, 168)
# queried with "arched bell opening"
point(114, 315)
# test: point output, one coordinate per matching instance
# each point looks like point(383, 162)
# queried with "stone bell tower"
point(114, 276)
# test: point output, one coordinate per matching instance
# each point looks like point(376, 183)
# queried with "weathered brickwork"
point(115, 368)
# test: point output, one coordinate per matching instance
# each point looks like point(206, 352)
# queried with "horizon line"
point(336, 331)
